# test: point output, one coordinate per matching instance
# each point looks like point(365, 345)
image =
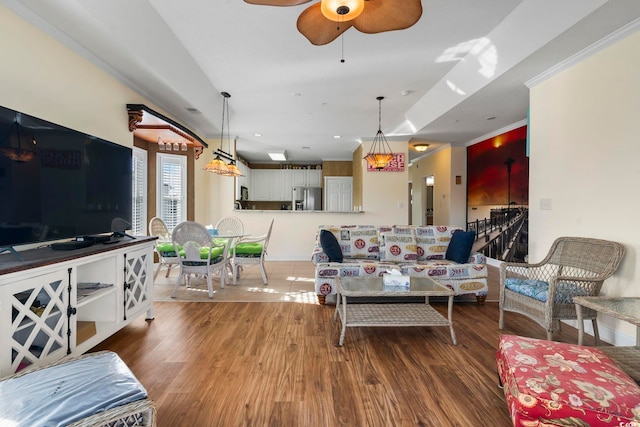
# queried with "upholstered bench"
point(552, 383)
point(95, 389)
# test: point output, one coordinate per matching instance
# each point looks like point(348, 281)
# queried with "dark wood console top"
point(43, 256)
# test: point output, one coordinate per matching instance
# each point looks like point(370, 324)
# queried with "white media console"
point(57, 304)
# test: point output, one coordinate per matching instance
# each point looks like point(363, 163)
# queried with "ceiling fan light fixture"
point(341, 10)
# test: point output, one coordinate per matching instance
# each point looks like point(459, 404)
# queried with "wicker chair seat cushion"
point(216, 256)
point(166, 249)
point(539, 290)
point(248, 250)
point(67, 392)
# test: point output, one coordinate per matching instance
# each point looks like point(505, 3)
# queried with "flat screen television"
point(57, 183)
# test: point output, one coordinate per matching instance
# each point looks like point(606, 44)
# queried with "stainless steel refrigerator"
point(307, 198)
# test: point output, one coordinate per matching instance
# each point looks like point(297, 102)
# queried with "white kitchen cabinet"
point(314, 178)
point(271, 184)
point(299, 178)
point(261, 183)
point(306, 178)
point(56, 304)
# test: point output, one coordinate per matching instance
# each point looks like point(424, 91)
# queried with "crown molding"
point(591, 50)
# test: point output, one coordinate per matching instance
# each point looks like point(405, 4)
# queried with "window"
point(172, 189)
point(139, 193)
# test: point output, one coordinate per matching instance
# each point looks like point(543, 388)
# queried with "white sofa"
point(417, 251)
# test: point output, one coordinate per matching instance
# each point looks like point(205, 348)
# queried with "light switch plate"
point(545, 204)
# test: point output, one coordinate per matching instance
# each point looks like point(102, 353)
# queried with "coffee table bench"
point(390, 314)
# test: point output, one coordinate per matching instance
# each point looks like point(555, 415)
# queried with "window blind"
point(172, 189)
point(139, 192)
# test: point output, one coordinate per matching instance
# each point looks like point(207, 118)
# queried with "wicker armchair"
point(544, 292)
point(167, 257)
point(200, 256)
point(251, 251)
point(230, 226)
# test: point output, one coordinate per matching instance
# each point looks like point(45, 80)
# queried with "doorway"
point(428, 208)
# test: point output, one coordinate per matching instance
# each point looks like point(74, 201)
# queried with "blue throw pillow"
point(459, 248)
point(330, 246)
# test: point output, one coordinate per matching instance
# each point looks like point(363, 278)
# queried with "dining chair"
point(544, 291)
point(229, 226)
point(167, 257)
point(251, 251)
point(199, 255)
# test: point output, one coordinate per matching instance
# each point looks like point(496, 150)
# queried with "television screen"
point(57, 183)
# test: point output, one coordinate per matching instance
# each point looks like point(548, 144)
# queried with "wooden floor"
point(278, 364)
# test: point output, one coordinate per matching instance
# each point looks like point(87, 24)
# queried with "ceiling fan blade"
point(388, 15)
point(319, 30)
point(277, 2)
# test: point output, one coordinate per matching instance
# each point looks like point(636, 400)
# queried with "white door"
point(338, 193)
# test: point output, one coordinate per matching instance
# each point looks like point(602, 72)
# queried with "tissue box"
point(394, 282)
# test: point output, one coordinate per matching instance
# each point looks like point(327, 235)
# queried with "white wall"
point(41, 77)
point(449, 198)
point(584, 152)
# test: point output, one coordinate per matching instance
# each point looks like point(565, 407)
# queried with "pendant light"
point(218, 165)
point(377, 157)
point(232, 168)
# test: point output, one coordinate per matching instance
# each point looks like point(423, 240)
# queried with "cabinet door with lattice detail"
point(35, 311)
point(138, 286)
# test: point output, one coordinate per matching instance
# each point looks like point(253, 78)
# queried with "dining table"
point(229, 240)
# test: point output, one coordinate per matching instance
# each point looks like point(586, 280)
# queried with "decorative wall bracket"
point(149, 125)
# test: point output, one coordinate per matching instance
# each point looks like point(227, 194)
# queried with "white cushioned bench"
point(94, 389)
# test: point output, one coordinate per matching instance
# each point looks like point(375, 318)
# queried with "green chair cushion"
point(166, 249)
point(204, 252)
point(216, 256)
point(248, 249)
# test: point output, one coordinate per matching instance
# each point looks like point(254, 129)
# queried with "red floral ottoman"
point(547, 383)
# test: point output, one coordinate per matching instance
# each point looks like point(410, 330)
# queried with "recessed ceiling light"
point(306, 148)
point(257, 134)
point(296, 94)
point(278, 155)
point(336, 137)
point(491, 118)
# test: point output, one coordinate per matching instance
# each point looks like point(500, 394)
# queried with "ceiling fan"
point(322, 22)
